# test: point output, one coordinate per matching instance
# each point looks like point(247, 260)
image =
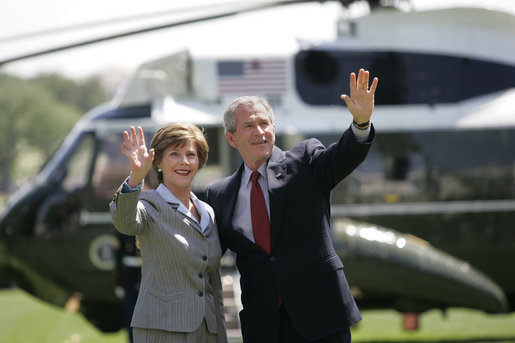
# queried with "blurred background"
point(424, 226)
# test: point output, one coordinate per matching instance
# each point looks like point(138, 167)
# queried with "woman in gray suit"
point(180, 298)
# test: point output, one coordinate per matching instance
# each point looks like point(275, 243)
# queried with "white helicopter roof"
point(479, 33)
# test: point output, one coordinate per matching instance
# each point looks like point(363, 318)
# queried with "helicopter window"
point(78, 165)
point(434, 166)
point(394, 171)
point(470, 165)
point(112, 167)
point(319, 67)
point(405, 78)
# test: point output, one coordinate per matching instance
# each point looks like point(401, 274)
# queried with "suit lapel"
point(276, 176)
point(165, 204)
point(191, 222)
point(229, 197)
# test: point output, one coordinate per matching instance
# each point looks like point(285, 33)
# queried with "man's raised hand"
point(361, 100)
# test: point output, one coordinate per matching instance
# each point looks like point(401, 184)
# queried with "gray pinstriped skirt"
point(201, 335)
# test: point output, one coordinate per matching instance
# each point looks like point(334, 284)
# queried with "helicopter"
point(423, 223)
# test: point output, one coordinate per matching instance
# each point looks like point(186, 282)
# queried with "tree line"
point(35, 116)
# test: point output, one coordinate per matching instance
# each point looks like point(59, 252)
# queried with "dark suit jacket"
point(303, 265)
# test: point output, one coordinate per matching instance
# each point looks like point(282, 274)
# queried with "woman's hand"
point(134, 148)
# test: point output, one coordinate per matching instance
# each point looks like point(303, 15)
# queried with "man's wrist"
point(361, 126)
point(360, 135)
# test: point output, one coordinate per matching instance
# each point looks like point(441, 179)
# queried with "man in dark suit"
point(293, 285)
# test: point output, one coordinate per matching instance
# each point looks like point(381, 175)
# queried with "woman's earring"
point(159, 170)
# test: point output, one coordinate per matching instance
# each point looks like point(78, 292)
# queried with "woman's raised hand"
point(134, 148)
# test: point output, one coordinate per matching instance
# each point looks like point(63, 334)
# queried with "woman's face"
point(179, 166)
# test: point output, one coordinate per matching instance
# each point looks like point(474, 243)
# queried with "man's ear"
point(230, 139)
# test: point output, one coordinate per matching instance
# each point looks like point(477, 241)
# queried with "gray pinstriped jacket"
point(181, 280)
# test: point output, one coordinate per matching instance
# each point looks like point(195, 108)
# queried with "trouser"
point(288, 333)
point(161, 336)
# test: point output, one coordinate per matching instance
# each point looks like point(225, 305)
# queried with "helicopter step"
point(232, 303)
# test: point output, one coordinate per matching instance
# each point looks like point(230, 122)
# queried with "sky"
point(263, 29)
point(259, 31)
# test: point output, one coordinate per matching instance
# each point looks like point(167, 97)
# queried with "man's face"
point(254, 136)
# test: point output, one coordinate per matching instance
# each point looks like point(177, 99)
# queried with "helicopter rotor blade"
point(247, 8)
point(110, 21)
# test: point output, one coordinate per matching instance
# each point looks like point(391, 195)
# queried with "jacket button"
point(200, 293)
point(200, 275)
point(204, 258)
point(272, 259)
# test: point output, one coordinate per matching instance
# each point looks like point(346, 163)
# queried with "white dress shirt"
point(179, 206)
point(171, 198)
point(242, 220)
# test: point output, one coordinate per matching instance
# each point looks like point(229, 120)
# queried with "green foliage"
point(84, 94)
point(36, 115)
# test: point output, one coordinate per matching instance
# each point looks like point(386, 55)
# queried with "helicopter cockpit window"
point(111, 166)
point(405, 78)
point(78, 165)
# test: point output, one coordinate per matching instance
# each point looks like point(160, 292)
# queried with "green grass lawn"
point(458, 325)
point(25, 319)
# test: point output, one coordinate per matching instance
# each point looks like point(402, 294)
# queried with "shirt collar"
point(172, 199)
point(247, 172)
